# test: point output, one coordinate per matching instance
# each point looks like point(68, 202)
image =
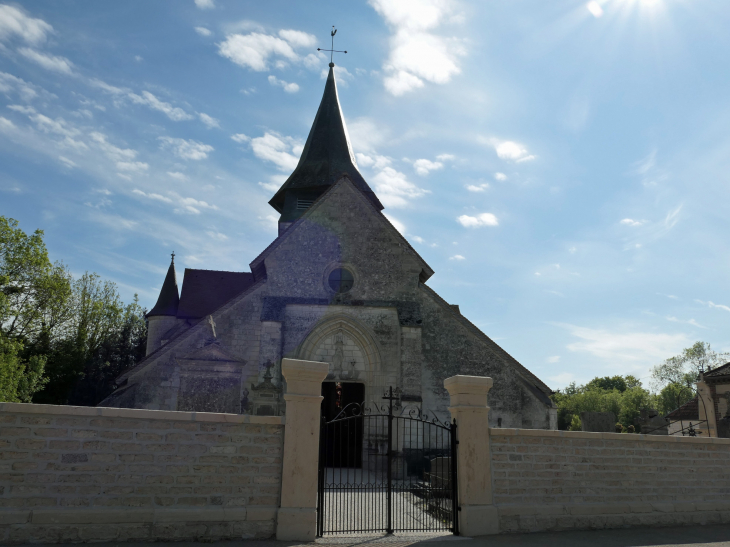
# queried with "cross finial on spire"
point(173, 257)
point(333, 50)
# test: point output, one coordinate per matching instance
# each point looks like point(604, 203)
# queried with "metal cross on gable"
point(333, 50)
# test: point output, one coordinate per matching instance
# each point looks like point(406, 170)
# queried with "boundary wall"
point(74, 474)
point(560, 480)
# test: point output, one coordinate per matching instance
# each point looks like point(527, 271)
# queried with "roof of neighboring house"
point(721, 372)
point(688, 411)
point(204, 291)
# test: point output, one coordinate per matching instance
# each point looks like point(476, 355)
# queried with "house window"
point(341, 280)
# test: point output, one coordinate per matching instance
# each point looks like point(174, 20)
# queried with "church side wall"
point(559, 480)
point(449, 348)
point(71, 474)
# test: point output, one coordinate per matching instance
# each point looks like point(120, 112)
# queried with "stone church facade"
point(339, 285)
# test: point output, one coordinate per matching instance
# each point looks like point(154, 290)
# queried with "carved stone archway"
point(350, 348)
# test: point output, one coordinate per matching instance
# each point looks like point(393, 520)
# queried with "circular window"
point(341, 280)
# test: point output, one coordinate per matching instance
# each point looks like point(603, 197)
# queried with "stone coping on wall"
point(142, 414)
point(638, 437)
point(138, 516)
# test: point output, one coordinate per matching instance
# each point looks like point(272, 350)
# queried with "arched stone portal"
point(350, 349)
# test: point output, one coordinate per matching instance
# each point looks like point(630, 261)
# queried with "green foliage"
point(61, 341)
point(683, 369)
point(575, 424)
point(672, 396)
point(19, 379)
point(622, 395)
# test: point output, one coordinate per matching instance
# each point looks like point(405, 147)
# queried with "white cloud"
point(631, 222)
point(477, 188)
point(365, 135)
point(216, 235)
point(156, 197)
point(177, 175)
point(255, 50)
point(298, 39)
point(112, 152)
point(67, 162)
point(174, 113)
point(15, 23)
point(456, 257)
point(276, 149)
point(394, 190)
point(418, 239)
point(595, 9)
point(138, 58)
point(49, 62)
point(209, 121)
point(483, 219)
point(417, 55)
point(240, 138)
point(445, 157)
point(205, 4)
point(397, 224)
point(203, 31)
point(289, 87)
point(713, 305)
point(500, 176)
point(562, 379)
point(423, 167)
point(8, 83)
point(553, 359)
point(270, 186)
point(689, 322)
point(113, 90)
point(186, 149)
point(134, 166)
point(510, 150)
point(628, 347)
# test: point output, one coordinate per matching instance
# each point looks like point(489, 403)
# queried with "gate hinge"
point(458, 508)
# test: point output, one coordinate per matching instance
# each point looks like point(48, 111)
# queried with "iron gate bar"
point(401, 477)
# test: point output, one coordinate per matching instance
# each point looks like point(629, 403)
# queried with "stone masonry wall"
point(556, 480)
point(73, 474)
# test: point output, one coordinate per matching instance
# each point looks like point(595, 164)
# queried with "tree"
point(683, 369)
point(622, 395)
point(672, 396)
point(33, 292)
point(33, 296)
point(97, 316)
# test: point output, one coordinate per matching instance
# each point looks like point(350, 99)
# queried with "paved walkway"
point(686, 536)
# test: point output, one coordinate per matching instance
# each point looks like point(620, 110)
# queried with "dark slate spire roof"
point(169, 298)
point(327, 155)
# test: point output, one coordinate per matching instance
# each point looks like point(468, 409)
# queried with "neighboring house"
point(683, 417)
point(713, 388)
point(339, 284)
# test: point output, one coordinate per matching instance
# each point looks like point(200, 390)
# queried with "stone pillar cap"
point(471, 384)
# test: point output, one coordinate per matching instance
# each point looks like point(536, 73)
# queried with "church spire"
point(169, 298)
point(327, 155)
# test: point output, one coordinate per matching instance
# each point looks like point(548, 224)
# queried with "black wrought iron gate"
point(385, 468)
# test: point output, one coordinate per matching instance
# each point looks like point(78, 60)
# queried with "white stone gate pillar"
point(478, 516)
point(297, 516)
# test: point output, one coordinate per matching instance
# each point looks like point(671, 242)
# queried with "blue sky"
point(562, 166)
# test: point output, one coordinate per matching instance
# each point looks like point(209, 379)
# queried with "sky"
point(563, 166)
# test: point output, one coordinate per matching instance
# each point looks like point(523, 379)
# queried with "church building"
point(339, 285)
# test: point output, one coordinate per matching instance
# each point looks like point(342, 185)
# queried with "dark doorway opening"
point(344, 446)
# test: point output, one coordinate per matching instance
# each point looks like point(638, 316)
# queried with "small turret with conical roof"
point(327, 155)
point(163, 316)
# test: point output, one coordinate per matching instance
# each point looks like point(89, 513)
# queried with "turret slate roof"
point(169, 298)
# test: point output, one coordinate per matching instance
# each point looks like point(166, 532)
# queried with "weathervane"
point(333, 50)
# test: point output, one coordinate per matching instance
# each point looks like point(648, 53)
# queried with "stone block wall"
point(70, 474)
point(557, 480)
